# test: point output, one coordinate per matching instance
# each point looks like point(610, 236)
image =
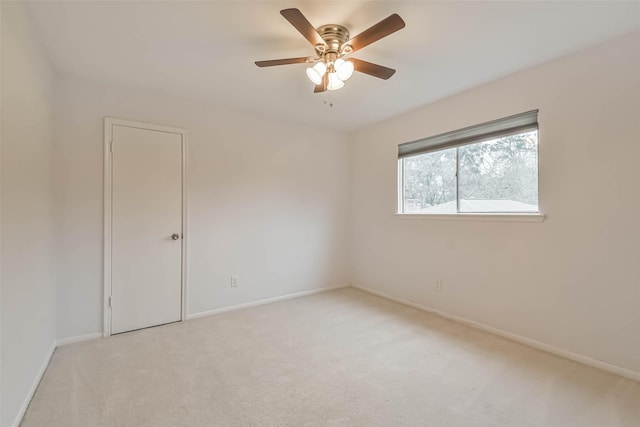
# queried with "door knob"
point(175, 236)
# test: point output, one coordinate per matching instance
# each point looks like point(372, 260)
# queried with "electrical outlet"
point(438, 285)
point(234, 281)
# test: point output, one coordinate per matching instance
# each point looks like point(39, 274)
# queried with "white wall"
point(267, 201)
point(28, 289)
point(573, 281)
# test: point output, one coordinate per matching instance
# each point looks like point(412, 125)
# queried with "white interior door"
point(146, 228)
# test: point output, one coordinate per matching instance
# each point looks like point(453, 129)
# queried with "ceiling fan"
point(332, 44)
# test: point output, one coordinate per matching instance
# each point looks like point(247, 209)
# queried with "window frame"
point(523, 216)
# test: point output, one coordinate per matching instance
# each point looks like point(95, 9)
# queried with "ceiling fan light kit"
point(316, 73)
point(334, 82)
point(332, 44)
point(339, 72)
point(344, 69)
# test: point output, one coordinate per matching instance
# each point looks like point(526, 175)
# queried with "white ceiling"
point(206, 50)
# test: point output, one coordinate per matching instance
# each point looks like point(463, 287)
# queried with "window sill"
point(495, 217)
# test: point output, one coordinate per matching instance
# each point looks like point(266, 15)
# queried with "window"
point(487, 168)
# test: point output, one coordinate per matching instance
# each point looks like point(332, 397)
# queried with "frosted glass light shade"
point(316, 72)
point(334, 82)
point(344, 69)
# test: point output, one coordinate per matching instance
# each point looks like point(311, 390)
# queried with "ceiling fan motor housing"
point(335, 36)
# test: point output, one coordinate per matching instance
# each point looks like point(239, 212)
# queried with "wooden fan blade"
point(374, 70)
point(322, 87)
point(297, 19)
point(382, 29)
point(273, 62)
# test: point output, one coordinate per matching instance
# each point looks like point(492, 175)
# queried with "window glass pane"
point(430, 182)
point(500, 175)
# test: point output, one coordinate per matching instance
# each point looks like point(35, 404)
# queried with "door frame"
point(109, 122)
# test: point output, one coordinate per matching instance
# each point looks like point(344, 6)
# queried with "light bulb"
point(316, 72)
point(334, 82)
point(344, 69)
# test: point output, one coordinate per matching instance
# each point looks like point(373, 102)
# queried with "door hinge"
point(111, 147)
point(109, 301)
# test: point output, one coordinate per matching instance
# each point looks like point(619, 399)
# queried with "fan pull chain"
point(325, 93)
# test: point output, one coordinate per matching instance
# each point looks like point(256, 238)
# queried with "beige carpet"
point(341, 358)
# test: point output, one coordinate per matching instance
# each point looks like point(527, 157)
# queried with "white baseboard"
point(71, 340)
point(262, 302)
point(623, 372)
point(34, 385)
